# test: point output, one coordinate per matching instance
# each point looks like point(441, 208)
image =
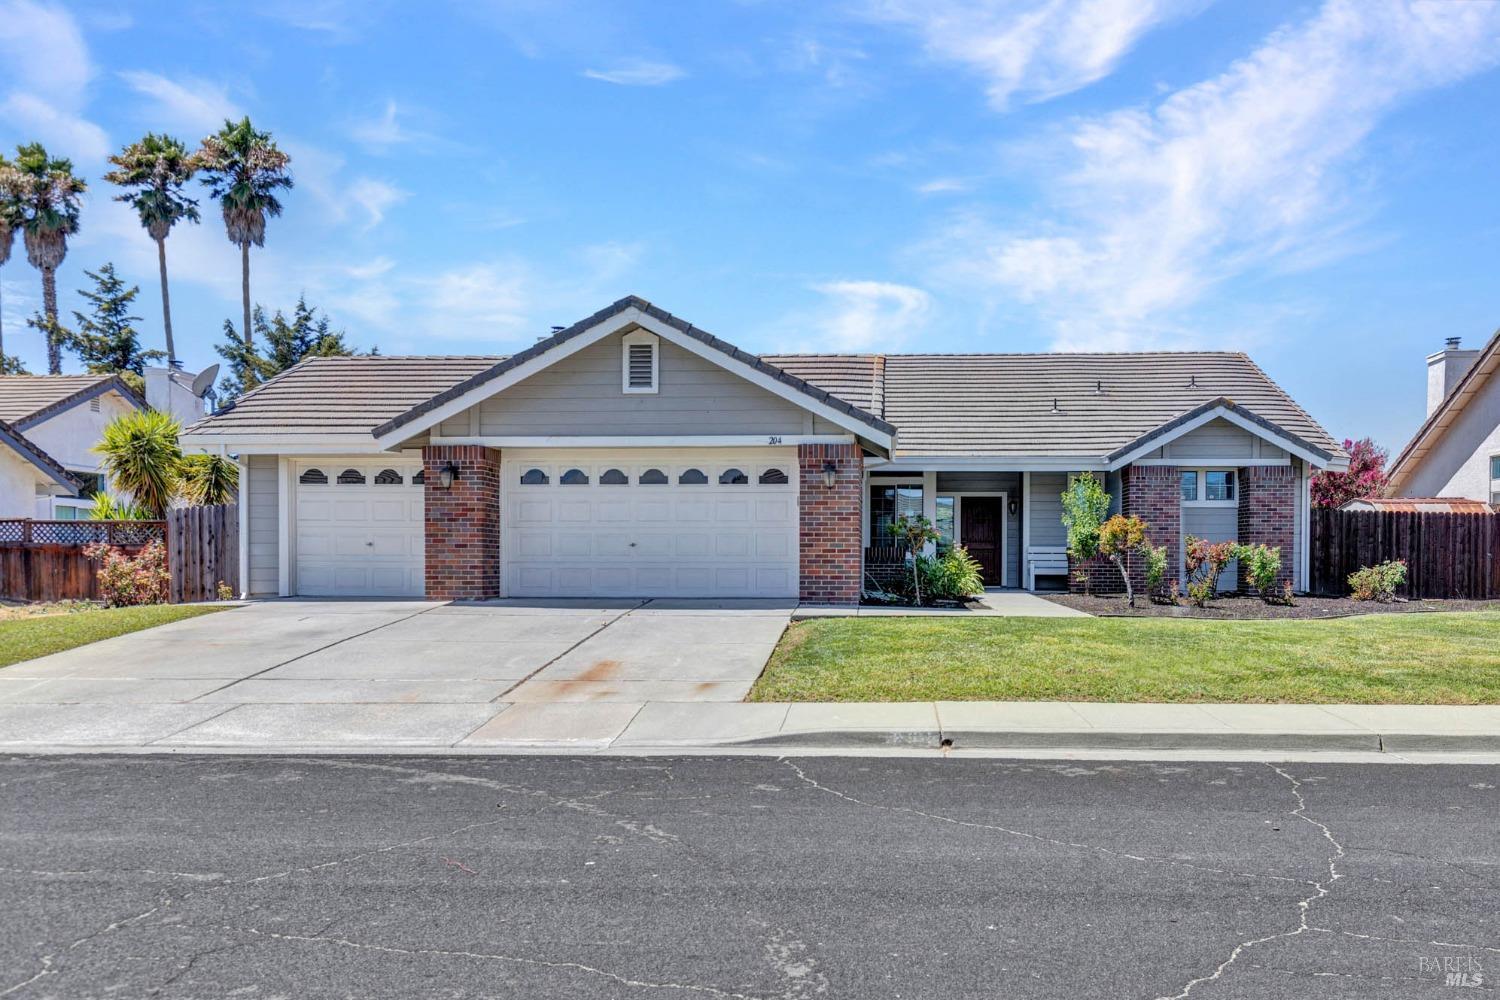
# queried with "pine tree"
point(106, 340)
point(278, 344)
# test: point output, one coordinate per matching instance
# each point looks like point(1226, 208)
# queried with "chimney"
point(1444, 369)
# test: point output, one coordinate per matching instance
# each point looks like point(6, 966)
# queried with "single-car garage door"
point(650, 522)
point(358, 528)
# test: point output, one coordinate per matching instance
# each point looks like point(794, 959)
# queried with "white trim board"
point(1219, 413)
point(631, 317)
point(646, 441)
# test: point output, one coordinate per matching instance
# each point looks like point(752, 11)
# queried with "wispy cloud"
point(46, 69)
point(638, 73)
point(1034, 49)
point(944, 185)
point(192, 106)
point(1251, 169)
point(855, 316)
point(387, 130)
point(375, 198)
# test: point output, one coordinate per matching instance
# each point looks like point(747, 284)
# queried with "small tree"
point(915, 532)
point(1205, 561)
point(142, 458)
point(1085, 505)
point(1118, 537)
point(1366, 476)
point(208, 480)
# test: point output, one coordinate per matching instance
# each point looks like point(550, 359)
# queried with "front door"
point(983, 524)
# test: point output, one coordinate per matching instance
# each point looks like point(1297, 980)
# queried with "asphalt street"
point(744, 877)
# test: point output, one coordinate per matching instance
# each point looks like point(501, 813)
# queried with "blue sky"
point(1313, 183)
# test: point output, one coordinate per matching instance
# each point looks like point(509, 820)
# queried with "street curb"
point(1121, 740)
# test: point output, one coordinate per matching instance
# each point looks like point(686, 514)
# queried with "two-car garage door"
point(574, 523)
point(650, 522)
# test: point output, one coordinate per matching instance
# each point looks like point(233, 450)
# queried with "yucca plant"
point(108, 508)
point(142, 458)
point(208, 479)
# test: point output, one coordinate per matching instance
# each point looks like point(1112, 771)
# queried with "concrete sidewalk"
point(620, 726)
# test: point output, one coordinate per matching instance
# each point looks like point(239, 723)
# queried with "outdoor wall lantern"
point(447, 474)
point(1014, 506)
point(830, 474)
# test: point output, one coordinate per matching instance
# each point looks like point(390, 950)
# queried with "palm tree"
point(48, 213)
point(244, 170)
point(155, 170)
point(8, 221)
point(142, 458)
point(208, 480)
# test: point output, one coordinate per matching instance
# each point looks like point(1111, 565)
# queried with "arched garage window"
point(653, 477)
point(420, 479)
point(614, 477)
point(534, 477)
point(574, 477)
point(388, 477)
point(351, 477)
point(773, 477)
point(692, 477)
point(313, 477)
point(733, 477)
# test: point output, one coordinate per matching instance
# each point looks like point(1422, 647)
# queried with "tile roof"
point(27, 399)
point(1002, 404)
point(333, 396)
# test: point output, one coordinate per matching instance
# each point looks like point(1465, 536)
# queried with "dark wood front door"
point(983, 521)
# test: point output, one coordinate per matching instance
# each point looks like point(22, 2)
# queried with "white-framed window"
point(890, 500)
point(640, 362)
point(1495, 479)
point(947, 521)
point(1210, 487)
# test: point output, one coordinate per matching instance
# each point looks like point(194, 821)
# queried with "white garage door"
point(650, 523)
point(358, 528)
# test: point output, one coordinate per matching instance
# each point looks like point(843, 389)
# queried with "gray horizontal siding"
point(1219, 439)
point(1216, 524)
point(581, 395)
point(1046, 508)
point(262, 493)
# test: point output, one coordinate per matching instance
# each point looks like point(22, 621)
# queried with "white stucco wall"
point(18, 485)
point(1459, 464)
point(69, 435)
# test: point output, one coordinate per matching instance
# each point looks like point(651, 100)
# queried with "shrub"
point(1156, 574)
point(952, 576)
point(1262, 566)
point(1118, 537)
point(224, 591)
point(125, 580)
point(1378, 583)
point(1085, 505)
point(1205, 561)
point(915, 533)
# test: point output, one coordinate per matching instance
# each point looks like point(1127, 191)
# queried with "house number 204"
point(774, 439)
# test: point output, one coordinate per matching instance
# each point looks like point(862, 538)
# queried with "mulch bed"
point(1237, 607)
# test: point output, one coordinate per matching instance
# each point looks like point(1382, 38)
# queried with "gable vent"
point(640, 362)
point(94, 405)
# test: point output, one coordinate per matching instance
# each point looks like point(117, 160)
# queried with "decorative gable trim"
point(1222, 408)
point(18, 443)
point(112, 383)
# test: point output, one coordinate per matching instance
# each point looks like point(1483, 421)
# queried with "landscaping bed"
point(1420, 659)
point(1233, 606)
point(29, 632)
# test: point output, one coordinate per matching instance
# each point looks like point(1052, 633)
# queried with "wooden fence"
point(203, 550)
point(1447, 555)
point(45, 560)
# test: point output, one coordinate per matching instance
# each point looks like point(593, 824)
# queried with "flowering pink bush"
point(1365, 478)
point(1205, 561)
point(129, 580)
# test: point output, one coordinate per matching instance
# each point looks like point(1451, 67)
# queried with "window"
point(574, 477)
point(945, 522)
point(388, 477)
point(733, 477)
point(351, 477)
point(91, 484)
point(614, 477)
point(1218, 485)
point(888, 503)
point(639, 362)
point(534, 477)
point(420, 479)
point(773, 477)
point(1190, 487)
point(653, 477)
point(313, 477)
point(692, 477)
point(1495, 467)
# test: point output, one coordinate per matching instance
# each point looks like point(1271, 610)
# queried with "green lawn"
point(30, 637)
point(1440, 659)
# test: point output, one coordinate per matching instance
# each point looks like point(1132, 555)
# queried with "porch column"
point(1268, 495)
point(462, 523)
point(1026, 578)
point(830, 523)
point(929, 506)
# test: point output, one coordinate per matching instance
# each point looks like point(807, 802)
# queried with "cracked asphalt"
point(744, 877)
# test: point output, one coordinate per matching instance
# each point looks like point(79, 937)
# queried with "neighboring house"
point(1456, 451)
point(62, 416)
point(633, 454)
point(1419, 505)
point(28, 475)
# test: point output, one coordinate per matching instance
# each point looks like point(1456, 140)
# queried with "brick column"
point(462, 522)
point(1151, 493)
point(1268, 503)
point(832, 547)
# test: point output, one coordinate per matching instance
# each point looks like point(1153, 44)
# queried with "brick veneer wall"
point(830, 523)
point(462, 523)
point(1150, 492)
point(1268, 501)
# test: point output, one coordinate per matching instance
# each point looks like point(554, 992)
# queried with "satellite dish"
point(204, 381)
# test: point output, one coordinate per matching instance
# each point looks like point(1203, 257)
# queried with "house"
point(60, 417)
point(1456, 451)
point(634, 454)
point(29, 477)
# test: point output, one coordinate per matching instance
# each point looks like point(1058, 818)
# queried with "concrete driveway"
point(393, 672)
